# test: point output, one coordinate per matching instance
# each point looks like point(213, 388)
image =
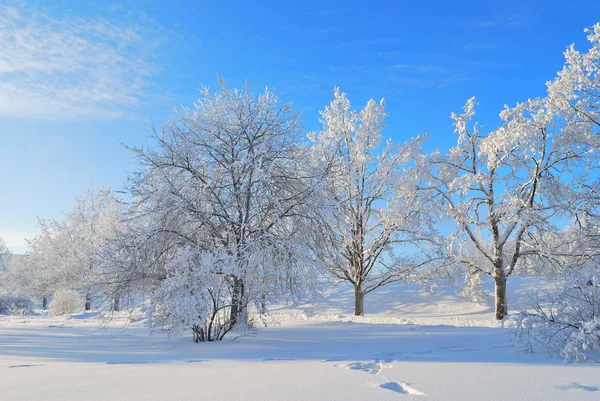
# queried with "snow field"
point(403, 351)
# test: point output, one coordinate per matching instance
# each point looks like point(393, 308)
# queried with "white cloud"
point(70, 67)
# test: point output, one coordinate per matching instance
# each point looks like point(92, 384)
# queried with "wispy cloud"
point(425, 76)
point(483, 64)
point(419, 68)
point(481, 47)
point(387, 54)
point(331, 11)
point(53, 68)
point(324, 30)
point(408, 76)
point(385, 41)
point(496, 22)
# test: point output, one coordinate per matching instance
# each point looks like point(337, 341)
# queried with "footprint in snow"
point(375, 368)
point(369, 367)
point(401, 388)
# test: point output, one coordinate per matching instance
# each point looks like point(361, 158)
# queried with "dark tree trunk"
point(501, 303)
point(263, 304)
point(198, 334)
point(116, 304)
point(88, 301)
point(44, 303)
point(359, 297)
point(237, 303)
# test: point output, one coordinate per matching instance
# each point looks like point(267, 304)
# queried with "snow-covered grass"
point(410, 344)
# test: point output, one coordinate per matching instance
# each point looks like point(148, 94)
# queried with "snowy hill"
point(403, 302)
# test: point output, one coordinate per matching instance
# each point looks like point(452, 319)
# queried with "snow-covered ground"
point(411, 344)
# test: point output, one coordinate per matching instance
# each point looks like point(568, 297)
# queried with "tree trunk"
point(88, 301)
point(198, 334)
point(359, 297)
point(242, 317)
point(263, 304)
point(501, 304)
point(237, 302)
point(44, 303)
point(116, 304)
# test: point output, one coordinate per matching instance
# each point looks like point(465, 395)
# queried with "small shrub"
point(194, 298)
point(16, 305)
point(564, 320)
point(472, 288)
point(65, 302)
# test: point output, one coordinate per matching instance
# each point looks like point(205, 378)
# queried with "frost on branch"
point(565, 319)
point(199, 288)
point(195, 296)
point(577, 87)
point(472, 288)
point(221, 207)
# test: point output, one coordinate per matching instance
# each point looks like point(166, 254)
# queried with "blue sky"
point(77, 78)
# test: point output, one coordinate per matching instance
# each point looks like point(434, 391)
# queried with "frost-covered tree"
point(4, 254)
point(4, 261)
point(508, 190)
point(41, 274)
point(565, 318)
point(66, 253)
point(576, 89)
point(373, 205)
point(18, 278)
point(222, 182)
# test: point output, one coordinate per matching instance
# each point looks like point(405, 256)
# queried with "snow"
point(410, 345)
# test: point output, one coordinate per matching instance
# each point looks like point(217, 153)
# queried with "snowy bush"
point(16, 305)
point(195, 296)
point(565, 320)
point(65, 302)
point(472, 288)
point(211, 292)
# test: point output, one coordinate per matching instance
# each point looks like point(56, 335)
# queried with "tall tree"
point(225, 181)
point(508, 190)
point(374, 207)
point(4, 254)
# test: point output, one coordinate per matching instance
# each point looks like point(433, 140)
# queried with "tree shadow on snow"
point(321, 341)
